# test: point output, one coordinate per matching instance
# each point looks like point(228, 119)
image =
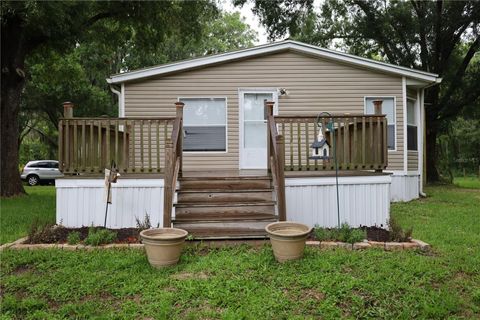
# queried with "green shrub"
point(357, 235)
point(73, 237)
point(397, 233)
point(344, 234)
point(98, 237)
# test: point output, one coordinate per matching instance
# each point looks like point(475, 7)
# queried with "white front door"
point(253, 128)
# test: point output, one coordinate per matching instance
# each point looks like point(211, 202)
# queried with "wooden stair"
point(225, 207)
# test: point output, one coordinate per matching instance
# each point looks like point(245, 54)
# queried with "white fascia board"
point(272, 48)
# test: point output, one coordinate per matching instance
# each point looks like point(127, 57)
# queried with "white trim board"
point(426, 77)
point(324, 181)
point(241, 137)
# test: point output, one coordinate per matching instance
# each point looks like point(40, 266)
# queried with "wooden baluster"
point(179, 148)
point(92, 147)
point(339, 142)
point(107, 142)
point(84, 147)
point(354, 146)
point(75, 147)
point(149, 146)
point(379, 146)
point(307, 146)
point(364, 144)
point(158, 144)
point(385, 143)
point(334, 146)
point(99, 162)
point(61, 157)
point(116, 155)
point(299, 146)
point(126, 142)
point(371, 149)
point(291, 145)
point(167, 191)
point(346, 143)
point(165, 137)
point(282, 212)
point(315, 134)
point(141, 147)
point(134, 147)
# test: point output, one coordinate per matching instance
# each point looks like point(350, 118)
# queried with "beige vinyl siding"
point(412, 160)
point(314, 85)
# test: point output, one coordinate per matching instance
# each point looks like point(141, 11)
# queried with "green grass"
point(244, 283)
point(467, 182)
point(18, 213)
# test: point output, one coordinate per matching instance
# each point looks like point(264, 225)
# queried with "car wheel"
point(33, 180)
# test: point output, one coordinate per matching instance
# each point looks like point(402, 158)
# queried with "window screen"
point(411, 126)
point(388, 108)
point(205, 124)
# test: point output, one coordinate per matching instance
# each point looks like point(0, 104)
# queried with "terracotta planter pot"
point(288, 239)
point(163, 245)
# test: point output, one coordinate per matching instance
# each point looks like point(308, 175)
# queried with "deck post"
point(269, 112)
point(68, 109)
point(167, 185)
point(281, 204)
point(377, 105)
point(179, 147)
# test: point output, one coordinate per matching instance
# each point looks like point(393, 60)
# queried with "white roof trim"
point(272, 48)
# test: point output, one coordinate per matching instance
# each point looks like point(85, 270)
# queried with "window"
point(388, 108)
point(205, 124)
point(411, 126)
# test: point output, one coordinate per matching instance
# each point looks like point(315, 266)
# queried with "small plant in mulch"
point(397, 233)
point(344, 234)
point(41, 232)
point(98, 237)
point(145, 224)
point(73, 238)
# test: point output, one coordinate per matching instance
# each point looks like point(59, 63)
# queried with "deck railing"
point(360, 141)
point(137, 145)
point(276, 161)
point(173, 165)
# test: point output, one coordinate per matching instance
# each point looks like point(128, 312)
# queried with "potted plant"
point(288, 239)
point(163, 245)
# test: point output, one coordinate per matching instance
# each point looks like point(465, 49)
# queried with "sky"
point(251, 19)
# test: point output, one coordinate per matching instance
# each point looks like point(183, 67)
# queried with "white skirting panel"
point(81, 202)
point(364, 200)
point(404, 187)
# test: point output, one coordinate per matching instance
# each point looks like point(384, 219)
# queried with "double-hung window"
point(204, 124)
point(411, 126)
point(388, 108)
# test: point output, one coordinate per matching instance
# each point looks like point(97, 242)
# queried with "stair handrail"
point(173, 164)
point(276, 160)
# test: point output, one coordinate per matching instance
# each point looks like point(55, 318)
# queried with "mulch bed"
point(60, 235)
point(132, 235)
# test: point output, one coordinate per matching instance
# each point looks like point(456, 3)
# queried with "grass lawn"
point(18, 213)
point(467, 182)
point(244, 283)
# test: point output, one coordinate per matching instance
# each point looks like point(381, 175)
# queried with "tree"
point(95, 58)
point(29, 26)
point(440, 37)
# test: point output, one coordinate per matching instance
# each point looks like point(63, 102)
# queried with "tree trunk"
point(431, 146)
point(13, 81)
point(11, 184)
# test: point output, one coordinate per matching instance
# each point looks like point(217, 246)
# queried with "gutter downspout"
point(424, 128)
point(120, 100)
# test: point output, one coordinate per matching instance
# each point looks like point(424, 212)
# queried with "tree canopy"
point(58, 51)
point(436, 36)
